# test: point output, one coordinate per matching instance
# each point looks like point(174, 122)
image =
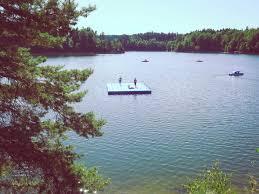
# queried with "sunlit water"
point(195, 115)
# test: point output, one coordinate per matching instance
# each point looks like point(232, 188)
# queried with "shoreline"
point(66, 54)
point(75, 53)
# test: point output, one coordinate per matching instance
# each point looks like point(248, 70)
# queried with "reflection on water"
point(196, 114)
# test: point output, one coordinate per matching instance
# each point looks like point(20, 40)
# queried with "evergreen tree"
point(33, 156)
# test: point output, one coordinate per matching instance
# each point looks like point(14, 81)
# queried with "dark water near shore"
point(195, 115)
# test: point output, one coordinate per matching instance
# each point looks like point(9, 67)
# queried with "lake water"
point(195, 115)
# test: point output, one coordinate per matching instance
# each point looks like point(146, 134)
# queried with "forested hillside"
point(87, 40)
point(225, 40)
point(84, 41)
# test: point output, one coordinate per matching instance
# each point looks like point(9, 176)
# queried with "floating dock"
point(127, 88)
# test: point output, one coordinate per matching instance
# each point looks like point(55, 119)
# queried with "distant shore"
point(81, 53)
point(70, 53)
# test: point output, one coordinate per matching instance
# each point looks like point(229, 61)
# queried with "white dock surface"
point(128, 88)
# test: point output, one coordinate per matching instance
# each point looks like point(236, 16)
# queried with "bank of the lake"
point(72, 53)
point(69, 53)
point(195, 115)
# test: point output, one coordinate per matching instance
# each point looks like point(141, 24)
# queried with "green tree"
point(33, 156)
point(75, 38)
point(213, 180)
point(87, 39)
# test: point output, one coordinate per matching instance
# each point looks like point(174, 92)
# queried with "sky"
point(181, 16)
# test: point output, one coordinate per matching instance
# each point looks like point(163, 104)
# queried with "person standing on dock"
point(135, 82)
point(120, 79)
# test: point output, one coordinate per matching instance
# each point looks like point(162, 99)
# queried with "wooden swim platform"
point(127, 88)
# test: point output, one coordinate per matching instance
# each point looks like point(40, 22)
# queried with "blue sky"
point(137, 16)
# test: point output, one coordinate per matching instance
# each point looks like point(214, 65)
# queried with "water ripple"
point(195, 115)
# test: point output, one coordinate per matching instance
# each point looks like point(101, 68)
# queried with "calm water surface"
point(195, 115)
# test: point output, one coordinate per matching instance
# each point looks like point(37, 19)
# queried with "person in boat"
point(135, 82)
point(120, 80)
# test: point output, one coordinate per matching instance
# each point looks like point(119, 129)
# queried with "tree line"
point(150, 41)
point(87, 40)
point(207, 40)
point(83, 40)
point(225, 40)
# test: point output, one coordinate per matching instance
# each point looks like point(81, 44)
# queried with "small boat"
point(145, 61)
point(199, 61)
point(236, 73)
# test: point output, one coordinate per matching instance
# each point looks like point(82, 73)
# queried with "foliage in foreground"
point(252, 185)
point(33, 157)
point(211, 181)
